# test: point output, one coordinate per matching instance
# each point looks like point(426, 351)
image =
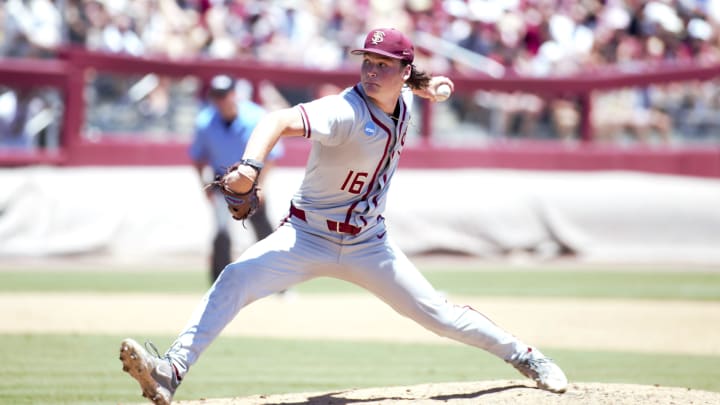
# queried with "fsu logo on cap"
point(377, 37)
point(387, 42)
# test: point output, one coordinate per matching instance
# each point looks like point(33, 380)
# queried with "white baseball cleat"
point(156, 375)
point(535, 366)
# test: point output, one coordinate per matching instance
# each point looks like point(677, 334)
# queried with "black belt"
point(339, 227)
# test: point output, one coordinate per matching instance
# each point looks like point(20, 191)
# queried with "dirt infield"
point(621, 325)
point(485, 392)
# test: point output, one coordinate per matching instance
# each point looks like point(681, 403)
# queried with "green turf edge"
point(83, 369)
point(531, 283)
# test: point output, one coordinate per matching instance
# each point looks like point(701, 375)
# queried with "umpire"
point(222, 129)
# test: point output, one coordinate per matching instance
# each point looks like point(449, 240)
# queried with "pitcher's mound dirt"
point(485, 392)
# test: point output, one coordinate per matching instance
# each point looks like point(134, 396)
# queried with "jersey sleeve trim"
point(306, 122)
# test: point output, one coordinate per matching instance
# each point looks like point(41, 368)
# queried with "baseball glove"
point(241, 206)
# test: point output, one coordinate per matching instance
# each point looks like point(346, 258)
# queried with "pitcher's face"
point(382, 77)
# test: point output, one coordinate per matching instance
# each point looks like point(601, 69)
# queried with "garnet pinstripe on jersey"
point(349, 184)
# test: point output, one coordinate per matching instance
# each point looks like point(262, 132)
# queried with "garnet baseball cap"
point(221, 85)
point(388, 42)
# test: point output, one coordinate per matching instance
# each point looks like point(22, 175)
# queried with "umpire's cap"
point(221, 85)
point(388, 42)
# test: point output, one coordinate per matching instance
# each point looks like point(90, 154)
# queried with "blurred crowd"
point(528, 37)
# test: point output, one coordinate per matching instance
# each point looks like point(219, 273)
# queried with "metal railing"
point(101, 109)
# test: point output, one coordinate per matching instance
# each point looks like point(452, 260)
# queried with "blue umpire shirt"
point(221, 144)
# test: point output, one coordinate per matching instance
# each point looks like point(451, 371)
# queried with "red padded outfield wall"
point(67, 74)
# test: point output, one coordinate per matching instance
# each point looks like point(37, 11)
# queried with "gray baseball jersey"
point(335, 229)
point(355, 152)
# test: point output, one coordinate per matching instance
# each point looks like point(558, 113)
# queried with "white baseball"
point(442, 92)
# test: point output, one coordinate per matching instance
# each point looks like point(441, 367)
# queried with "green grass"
point(529, 283)
point(84, 369)
point(49, 369)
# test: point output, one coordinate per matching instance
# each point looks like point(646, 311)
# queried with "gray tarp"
point(604, 216)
